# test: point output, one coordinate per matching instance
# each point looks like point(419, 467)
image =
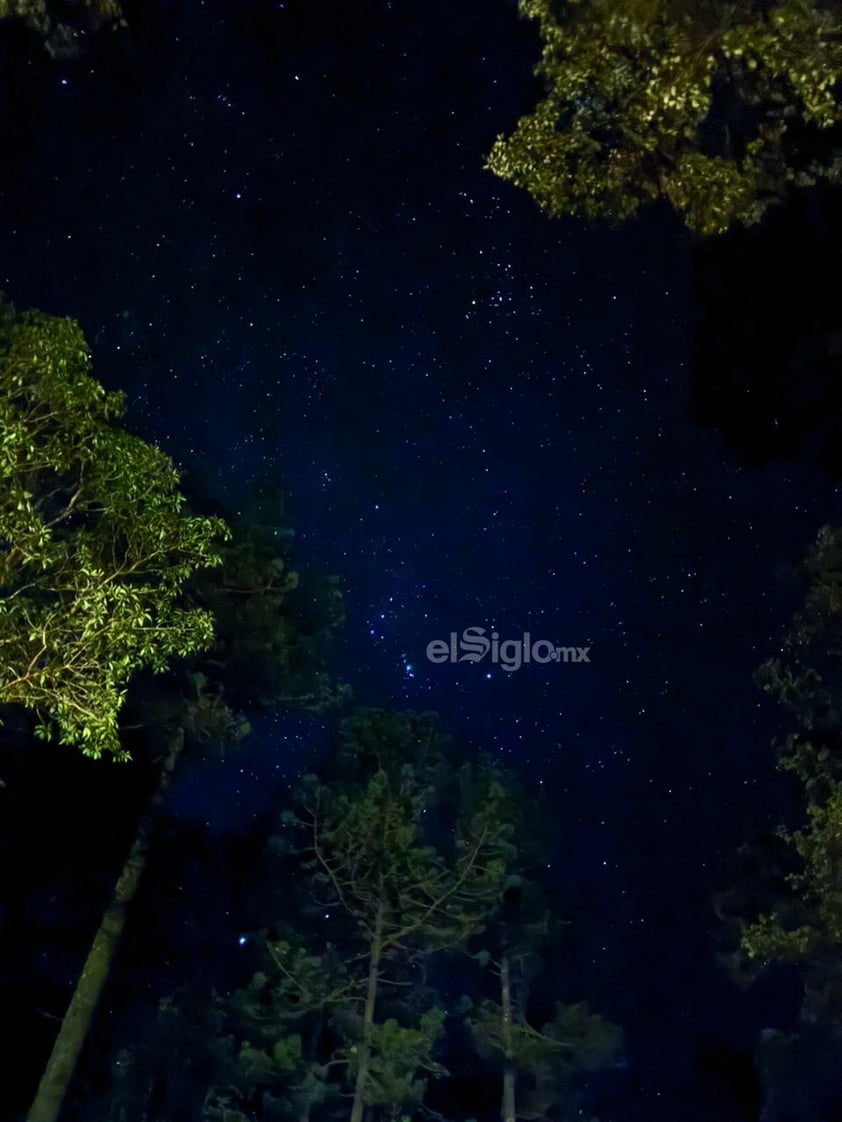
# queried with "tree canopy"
point(718, 108)
point(63, 26)
point(808, 680)
point(783, 905)
point(95, 543)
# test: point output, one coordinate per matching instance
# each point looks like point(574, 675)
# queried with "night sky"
point(273, 223)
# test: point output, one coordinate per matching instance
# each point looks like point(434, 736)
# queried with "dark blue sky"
point(273, 223)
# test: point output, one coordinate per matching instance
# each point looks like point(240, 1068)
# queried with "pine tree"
point(540, 1067)
point(404, 865)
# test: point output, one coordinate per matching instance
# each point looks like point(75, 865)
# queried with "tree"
point(36, 12)
point(203, 717)
point(397, 1057)
point(169, 1074)
point(373, 858)
point(404, 865)
point(539, 1066)
point(191, 710)
point(76, 1022)
point(787, 908)
point(194, 714)
point(62, 26)
point(95, 544)
point(396, 857)
point(808, 680)
point(546, 1061)
point(294, 1014)
point(270, 626)
point(718, 108)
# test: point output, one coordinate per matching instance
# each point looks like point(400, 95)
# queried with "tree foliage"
point(806, 927)
point(270, 627)
point(400, 1060)
point(63, 26)
point(392, 854)
point(699, 102)
point(95, 543)
point(378, 851)
point(548, 1060)
point(541, 1062)
point(391, 862)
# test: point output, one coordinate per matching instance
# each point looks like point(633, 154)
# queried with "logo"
point(474, 645)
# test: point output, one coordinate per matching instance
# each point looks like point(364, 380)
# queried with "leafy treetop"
point(95, 545)
point(806, 926)
point(692, 101)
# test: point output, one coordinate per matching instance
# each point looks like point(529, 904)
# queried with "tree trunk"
point(368, 1018)
point(77, 1020)
point(508, 1104)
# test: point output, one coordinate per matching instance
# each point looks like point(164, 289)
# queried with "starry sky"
point(273, 223)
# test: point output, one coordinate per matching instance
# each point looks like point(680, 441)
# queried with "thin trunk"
point(77, 1020)
point(368, 1018)
point(508, 1104)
